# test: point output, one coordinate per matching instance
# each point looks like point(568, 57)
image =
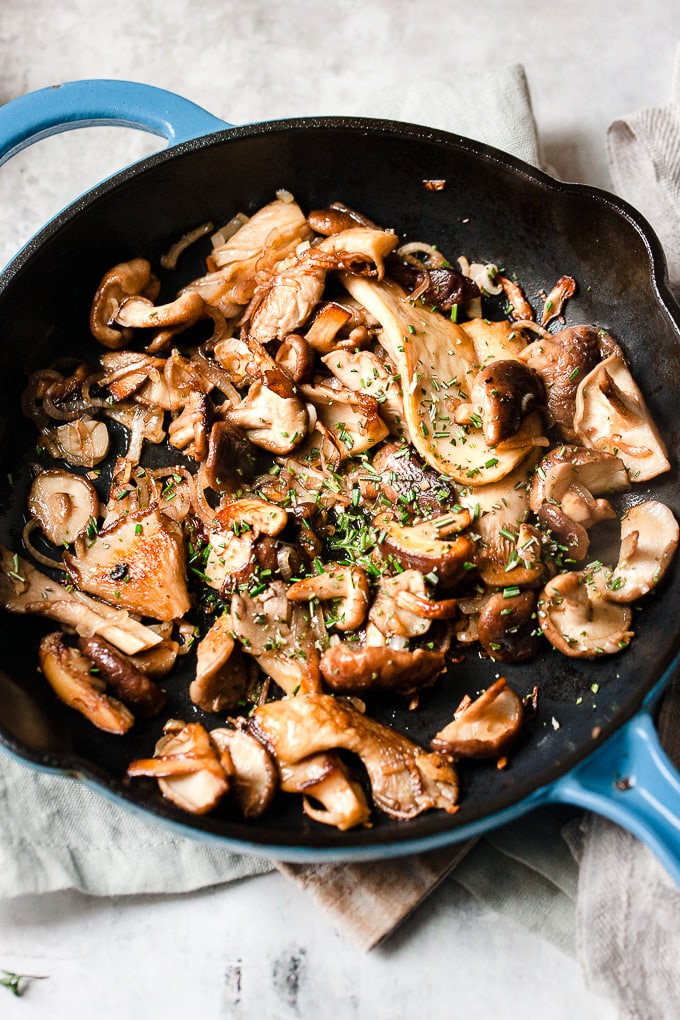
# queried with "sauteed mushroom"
point(485, 727)
point(63, 504)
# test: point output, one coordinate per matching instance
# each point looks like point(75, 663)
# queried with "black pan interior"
point(492, 208)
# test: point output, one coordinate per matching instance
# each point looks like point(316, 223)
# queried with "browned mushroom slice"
point(569, 477)
point(563, 360)
point(402, 607)
point(221, 672)
point(649, 538)
point(518, 306)
point(297, 357)
point(425, 547)
point(284, 637)
point(505, 392)
point(579, 621)
point(63, 504)
point(485, 727)
point(244, 359)
point(234, 534)
point(346, 584)
point(329, 795)
point(355, 669)
point(611, 414)
point(274, 421)
point(252, 773)
point(190, 430)
point(119, 283)
point(158, 661)
point(405, 780)
point(365, 372)
point(556, 299)
point(123, 678)
point(403, 478)
point(137, 312)
point(187, 766)
point(571, 536)
point(328, 320)
point(352, 418)
point(70, 676)
point(137, 563)
point(508, 626)
point(23, 589)
point(81, 443)
point(231, 458)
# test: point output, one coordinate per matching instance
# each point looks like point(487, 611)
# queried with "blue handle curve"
point(95, 102)
point(631, 780)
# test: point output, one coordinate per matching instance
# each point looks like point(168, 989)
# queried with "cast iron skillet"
point(593, 742)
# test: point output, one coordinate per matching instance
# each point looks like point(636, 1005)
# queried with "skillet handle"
point(631, 780)
point(74, 104)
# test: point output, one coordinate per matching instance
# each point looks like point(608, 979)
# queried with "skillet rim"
point(434, 825)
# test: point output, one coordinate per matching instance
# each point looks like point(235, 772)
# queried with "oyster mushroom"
point(122, 281)
point(137, 312)
point(436, 362)
point(358, 669)
point(250, 768)
point(405, 780)
point(346, 584)
point(611, 414)
point(63, 504)
point(244, 359)
point(485, 727)
point(23, 589)
point(221, 679)
point(329, 796)
point(296, 356)
point(649, 538)
point(70, 676)
point(123, 678)
point(563, 360)
point(187, 765)
point(272, 421)
point(364, 372)
point(427, 547)
point(579, 621)
point(352, 418)
point(191, 429)
point(137, 562)
point(402, 608)
point(570, 477)
point(81, 443)
point(235, 530)
point(283, 637)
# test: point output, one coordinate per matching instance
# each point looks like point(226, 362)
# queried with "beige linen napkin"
point(56, 833)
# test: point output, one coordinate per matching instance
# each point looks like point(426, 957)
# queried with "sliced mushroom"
point(485, 727)
point(271, 421)
point(123, 678)
point(405, 780)
point(649, 538)
point(507, 626)
point(138, 312)
point(191, 429)
point(505, 392)
point(137, 563)
point(579, 621)
point(563, 360)
point(346, 584)
point(234, 533)
point(425, 547)
point(120, 282)
point(325, 327)
point(141, 422)
point(297, 357)
point(569, 477)
point(611, 414)
point(284, 637)
point(231, 458)
point(357, 669)
point(403, 479)
point(70, 676)
point(63, 504)
point(555, 301)
point(187, 766)
point(329, 796)
point(81, 443)
point(353, 419)
point(252, 773)
point(221, 679)
point(244, 359)
point(494, 341)
point(23, 589)
point(402, 608)
point(364, 372)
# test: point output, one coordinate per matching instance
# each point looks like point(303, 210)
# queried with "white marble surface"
point(258, 948)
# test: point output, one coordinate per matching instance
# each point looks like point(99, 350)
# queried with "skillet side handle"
point(97, 102)
point(631, 781)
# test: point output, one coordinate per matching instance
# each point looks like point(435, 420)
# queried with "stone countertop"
point(259, 948)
